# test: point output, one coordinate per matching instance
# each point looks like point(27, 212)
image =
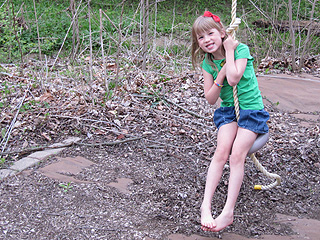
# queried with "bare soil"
point(151, 188)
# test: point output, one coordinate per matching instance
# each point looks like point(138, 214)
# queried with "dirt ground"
point(293, 93)
point(152, 188)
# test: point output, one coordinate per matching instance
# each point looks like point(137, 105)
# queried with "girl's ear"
point(224, 34)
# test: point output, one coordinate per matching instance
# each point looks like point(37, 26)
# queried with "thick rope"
point(266, 173)
point(235, 22)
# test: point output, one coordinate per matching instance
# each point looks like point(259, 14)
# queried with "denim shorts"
point(253, 120)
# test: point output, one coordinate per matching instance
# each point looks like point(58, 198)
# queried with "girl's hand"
point(230, 44)
point(234, 68)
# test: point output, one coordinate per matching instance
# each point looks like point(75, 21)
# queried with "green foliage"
point(152, 94)
point(2, 161)
point(277, 42)
point(174, 18)
point(25, 107)
point(3, 133)
point(77, 131)
point(6, 88)
point(66, 187)
point(112, 85)
point(54, 19)
point(8, 44)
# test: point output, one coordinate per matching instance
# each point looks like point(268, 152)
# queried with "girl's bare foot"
point(207, 221)
point(222, 221)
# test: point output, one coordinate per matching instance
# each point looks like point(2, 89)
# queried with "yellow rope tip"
point(257, 187)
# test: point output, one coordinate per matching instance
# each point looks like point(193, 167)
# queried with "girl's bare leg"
point(226, 136)
point(240, 148)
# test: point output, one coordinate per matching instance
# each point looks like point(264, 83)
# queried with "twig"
point(46, 68)
point(155, 24)
point(307, 41)
point(86, 119)
point(167, 100)
point(35, 14)
point(119, 45)
point(10, 32)
point(140, 20)
point(65, 37)
point(271, 21)
point(15, 31)
point(145, 38)
point(90, 45)
point(173, 19)
point(104, 64)
point(3, 3)
point(187, 120)
point(8, 133)
point(108, 143)
point(75, 30)
point(293, 38)
point(173, 146)
point(186, 110)
point(118, 42)
point(26, 150)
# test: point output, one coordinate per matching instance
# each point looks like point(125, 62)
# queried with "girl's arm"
point(234, 68)
point(212, 91)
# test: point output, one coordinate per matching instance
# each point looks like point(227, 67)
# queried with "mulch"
point(167, 164)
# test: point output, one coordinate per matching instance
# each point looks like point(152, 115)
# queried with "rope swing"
point(261, 139)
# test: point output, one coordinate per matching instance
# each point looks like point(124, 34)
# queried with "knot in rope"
point(233, 27)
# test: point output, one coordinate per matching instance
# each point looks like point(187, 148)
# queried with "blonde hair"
point(200, 25)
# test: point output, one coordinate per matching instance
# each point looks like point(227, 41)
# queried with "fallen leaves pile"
point(311, 65)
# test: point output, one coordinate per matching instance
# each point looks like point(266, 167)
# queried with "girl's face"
point(210, 41)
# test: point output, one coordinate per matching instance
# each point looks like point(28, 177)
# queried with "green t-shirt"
point(249, 94)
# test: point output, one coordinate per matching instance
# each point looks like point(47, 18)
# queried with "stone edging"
point(35, 158)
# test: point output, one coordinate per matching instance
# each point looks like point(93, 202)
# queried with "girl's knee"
point(221, 155)
point(237, 159)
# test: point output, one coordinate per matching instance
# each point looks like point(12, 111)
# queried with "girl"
point(226, 63)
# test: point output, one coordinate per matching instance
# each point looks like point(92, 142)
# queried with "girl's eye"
point(210, 33)
point(200, 37)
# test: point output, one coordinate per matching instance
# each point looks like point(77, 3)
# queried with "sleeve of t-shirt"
point(206, 66)
point(243, 51)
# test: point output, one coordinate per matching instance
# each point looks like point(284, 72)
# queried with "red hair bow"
point(209, 14)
